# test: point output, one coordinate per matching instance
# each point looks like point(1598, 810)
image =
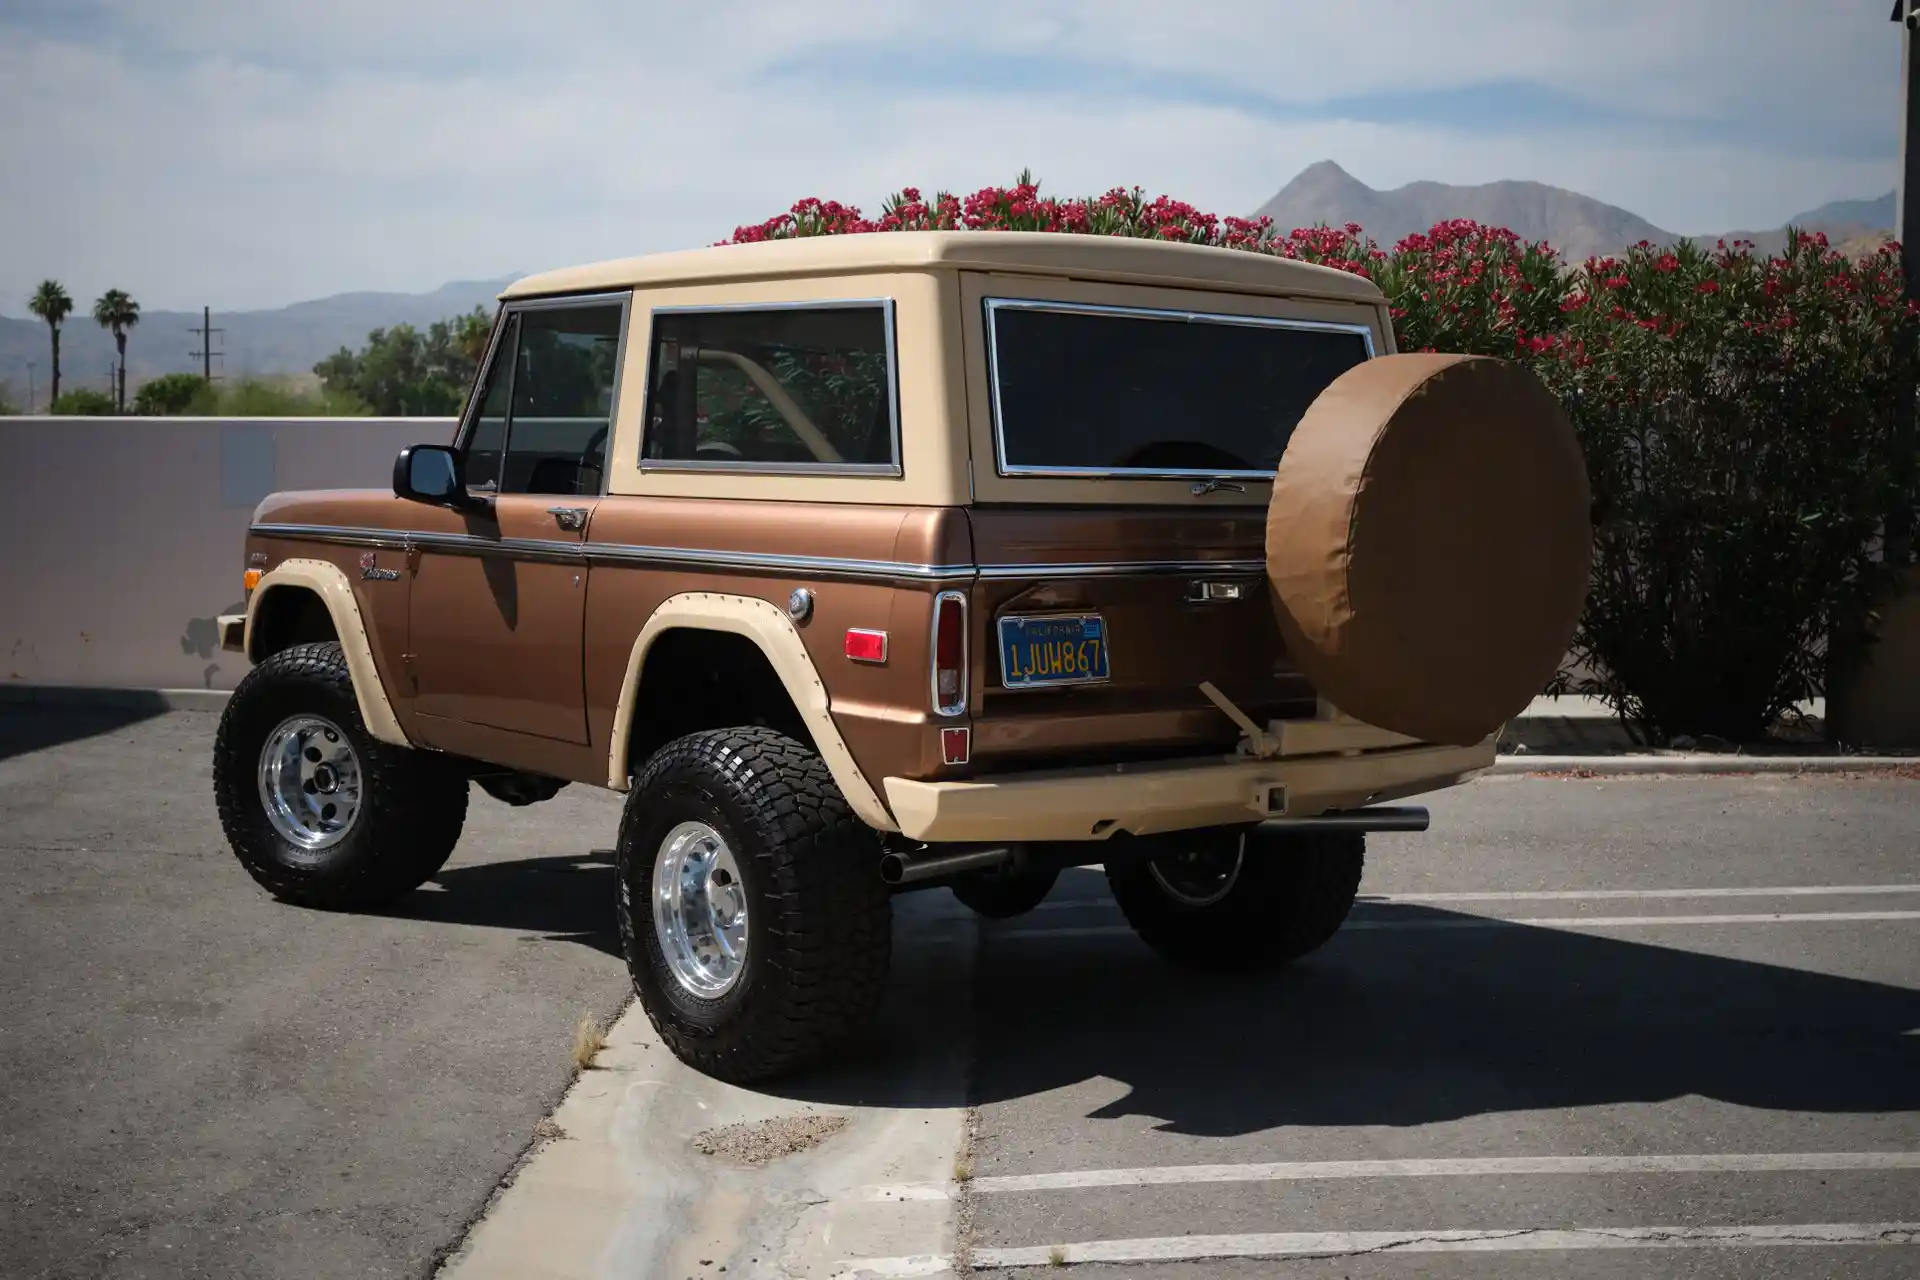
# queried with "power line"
point(206, 353)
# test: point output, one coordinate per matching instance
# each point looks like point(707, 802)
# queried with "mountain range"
point(267, 343)
point(1579, 226)
point(291, 340)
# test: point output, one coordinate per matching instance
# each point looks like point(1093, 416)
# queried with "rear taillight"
point(950, 653)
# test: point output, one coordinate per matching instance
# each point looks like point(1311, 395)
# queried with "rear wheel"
point(1231, 902)
point(317, 810)
point(756, 926)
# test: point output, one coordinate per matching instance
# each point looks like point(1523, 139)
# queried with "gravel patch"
point(765, 1140)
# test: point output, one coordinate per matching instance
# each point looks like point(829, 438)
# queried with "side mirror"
point(431, 473)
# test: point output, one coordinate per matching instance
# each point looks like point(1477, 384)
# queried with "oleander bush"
point(1748, 422)
point(1749, 430)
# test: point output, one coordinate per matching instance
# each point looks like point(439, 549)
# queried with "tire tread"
point(828, 942)
point(414, 803)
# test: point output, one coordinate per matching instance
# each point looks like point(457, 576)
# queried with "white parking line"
point(1577, 895)
point(1492, 922)
point(1331, 1244)
point(1574, 895)
point(1311, 1170)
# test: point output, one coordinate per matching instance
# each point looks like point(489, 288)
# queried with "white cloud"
point(254, 153)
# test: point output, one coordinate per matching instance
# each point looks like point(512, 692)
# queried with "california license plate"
point(1053, 649)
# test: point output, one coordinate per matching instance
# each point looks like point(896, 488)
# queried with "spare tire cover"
point(1428, 543)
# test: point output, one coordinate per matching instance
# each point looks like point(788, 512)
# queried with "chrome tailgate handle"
point(1203, 591)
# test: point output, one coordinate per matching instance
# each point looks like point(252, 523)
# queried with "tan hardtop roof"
point(1113, 258)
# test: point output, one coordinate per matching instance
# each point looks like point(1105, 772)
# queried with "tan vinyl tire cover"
point(1428, 543)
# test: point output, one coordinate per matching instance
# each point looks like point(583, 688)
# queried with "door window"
point(547, 404)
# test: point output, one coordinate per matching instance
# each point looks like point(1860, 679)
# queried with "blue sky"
point(255, 152)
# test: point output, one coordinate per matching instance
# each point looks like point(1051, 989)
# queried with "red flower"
point(1707, 286)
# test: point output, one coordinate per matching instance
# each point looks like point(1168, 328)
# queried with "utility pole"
point(30, 367)
point(1906, 205)
point(206, 353)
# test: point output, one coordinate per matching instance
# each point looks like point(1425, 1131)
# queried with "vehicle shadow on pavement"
point(567, 898)
point(25, 729)
point(1409, 1027)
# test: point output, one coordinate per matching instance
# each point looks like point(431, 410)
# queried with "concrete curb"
point(86, 696)
point(1697, 763)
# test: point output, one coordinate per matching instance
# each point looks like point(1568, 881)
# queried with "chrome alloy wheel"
point(1200, 876)
point(310, 783)
point(700, 910)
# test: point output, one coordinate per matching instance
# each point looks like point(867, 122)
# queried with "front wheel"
point(1231, 902)
point(756, 926)
point(317, 810)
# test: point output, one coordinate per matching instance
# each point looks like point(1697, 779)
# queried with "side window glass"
point(489, 431)
point(564, 373)
point(786, 387)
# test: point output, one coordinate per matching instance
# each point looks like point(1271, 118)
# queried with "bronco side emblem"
point(369, 568)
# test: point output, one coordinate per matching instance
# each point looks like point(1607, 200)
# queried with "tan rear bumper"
point(1145, 799)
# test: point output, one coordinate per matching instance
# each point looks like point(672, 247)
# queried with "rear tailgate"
point(1180, 597)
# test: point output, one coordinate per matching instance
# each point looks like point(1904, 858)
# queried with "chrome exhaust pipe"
point(1406, 818)
point(910, 868)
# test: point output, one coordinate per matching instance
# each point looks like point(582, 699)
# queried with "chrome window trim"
point(508, 310)
point(1002, 467)
point(754, 561)
point(958, 707)
point(1124, 568)
point(882, 470)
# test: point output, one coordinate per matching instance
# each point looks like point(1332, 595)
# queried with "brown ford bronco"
point(872, 563)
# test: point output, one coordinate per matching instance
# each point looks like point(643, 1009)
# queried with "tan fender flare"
point(329, 582)
point(773, 632)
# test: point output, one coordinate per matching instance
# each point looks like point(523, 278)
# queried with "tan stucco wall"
point(1880, 705)
point(123, 537)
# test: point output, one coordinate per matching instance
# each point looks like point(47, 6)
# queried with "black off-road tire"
point(819, 917)
point(1290, 895)
point(1002, 897)
point(413, 803)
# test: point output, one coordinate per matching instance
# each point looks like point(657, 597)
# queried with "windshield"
point(1108, 390)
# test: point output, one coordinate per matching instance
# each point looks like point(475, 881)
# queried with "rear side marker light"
point(956, 746)
point(866, 646)
point(950, 653)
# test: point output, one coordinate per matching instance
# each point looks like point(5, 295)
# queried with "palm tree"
point(52, 303)
point(118, 312)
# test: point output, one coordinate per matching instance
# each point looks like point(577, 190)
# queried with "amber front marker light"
point(250, 579)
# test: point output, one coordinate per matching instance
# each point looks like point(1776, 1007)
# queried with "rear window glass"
point(779, 388)
point(1106, 390)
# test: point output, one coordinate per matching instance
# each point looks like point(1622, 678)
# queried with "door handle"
point(572, 519)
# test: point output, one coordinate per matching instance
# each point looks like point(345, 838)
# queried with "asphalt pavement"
point(199, 1081)
point(1582, 1027)
point(1659, 1066)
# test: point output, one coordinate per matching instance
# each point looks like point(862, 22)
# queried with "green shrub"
point(84, 402)
point(1748, 427)
point(168, 393)
point(271, 398)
